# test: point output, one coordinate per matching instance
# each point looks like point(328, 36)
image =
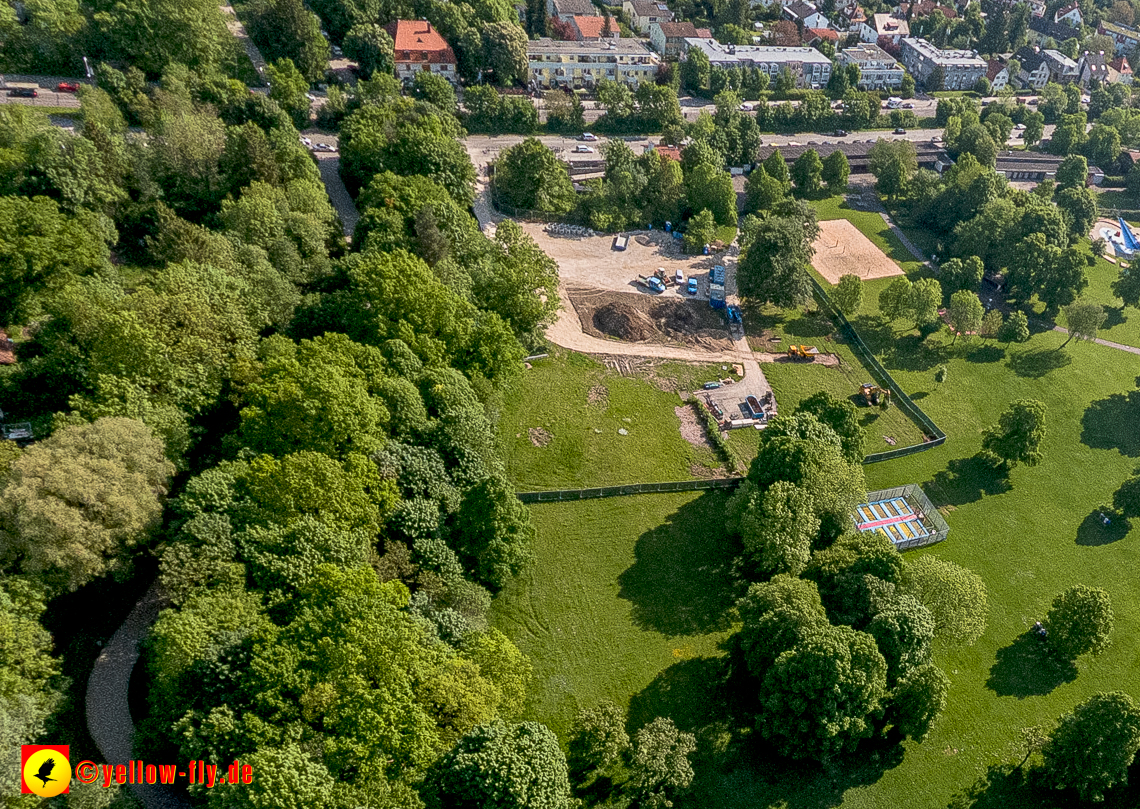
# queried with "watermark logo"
point(45, 770)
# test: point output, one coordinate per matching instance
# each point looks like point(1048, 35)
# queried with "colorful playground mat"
point(894, 517)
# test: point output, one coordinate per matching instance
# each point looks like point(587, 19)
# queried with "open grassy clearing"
point(1028, 537)
point(560, 420)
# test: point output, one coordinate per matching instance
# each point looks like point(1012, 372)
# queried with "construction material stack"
point(716, 287)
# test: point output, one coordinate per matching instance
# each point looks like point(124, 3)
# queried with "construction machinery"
point(873, 394)
point(803, 352)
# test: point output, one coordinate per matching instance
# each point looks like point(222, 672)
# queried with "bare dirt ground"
point(592, 261)
point(842, 250)
point(692, 430)
point(641, 318)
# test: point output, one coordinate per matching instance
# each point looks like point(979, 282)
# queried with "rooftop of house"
point(867, 52)
point(592, 27)
point(718, 52)
point(890, 25)
point(799, 9)
point(1030, 59)
point(948, 58)
point(826, 34)
point(575, 7)
point(419, 36)
point(1121, 65)
point(678, 30)
point(634, 47)
point(1058, 58)
point(1117, 28)
point(648, 8)
point(1048, 28)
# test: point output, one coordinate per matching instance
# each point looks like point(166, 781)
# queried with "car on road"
point(586, 136)
point(692, 288)
point(324, 147)
point(900, 131)
point(67, 87)
point(1032, 102)
point(840, 133)
point(746, 107)
point(23, 92)
point(582, 148)
point(936, 139)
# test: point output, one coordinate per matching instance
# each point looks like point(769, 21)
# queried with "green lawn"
point(629, 596)
point(585, 448)
point(1121, 325)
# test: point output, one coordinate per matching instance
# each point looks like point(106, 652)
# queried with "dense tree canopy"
point(1079, 622)
point(1094, 745)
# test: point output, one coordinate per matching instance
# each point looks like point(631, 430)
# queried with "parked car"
point(900, 131)
point(582, 148)
point(67, 87)
point(23, 92)
point(908, 106)
point(746, 107)
point(678, 278)
point(307, 141)
point(586, 136)
point(711, 385)
point(324, 147)
point(841, 133)
point(692, 286)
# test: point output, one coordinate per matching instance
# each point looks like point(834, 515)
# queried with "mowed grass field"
point(630, 598)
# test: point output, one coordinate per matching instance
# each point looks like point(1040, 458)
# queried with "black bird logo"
point(45, 771)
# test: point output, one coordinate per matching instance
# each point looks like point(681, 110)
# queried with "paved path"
point(108, 709)
point(1109, 343)
point(238, 30)
point(329, 165)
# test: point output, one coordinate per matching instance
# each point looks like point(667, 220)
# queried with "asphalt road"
point(47, 98)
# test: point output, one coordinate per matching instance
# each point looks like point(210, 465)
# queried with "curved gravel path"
point(108, 708)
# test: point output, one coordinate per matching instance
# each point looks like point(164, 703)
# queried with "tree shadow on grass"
point(984, 353)
point(681, 582)
point(922, 394)
point(809, 327)
point(1113, 317)
point(1024, 669)
point(911, 352)
point(1111, 423)
point(690, 692)
point(966, 480)
point(1002, 787)
point(1037, 362)
point(1093, 532)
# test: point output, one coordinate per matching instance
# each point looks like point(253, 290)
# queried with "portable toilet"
point(706, 250)
point(668, 227)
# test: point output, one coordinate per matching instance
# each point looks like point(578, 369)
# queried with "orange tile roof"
point(822, 33)
point(414, 37)
point(590, 27)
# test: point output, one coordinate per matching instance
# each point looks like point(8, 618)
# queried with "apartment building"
point(878, 70)
point(668, 38)
point(809, 67)
point(553, 64)
point(643, 13)
point(1125, 39)
point(959, 69)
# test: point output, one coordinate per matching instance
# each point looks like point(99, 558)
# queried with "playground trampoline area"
point(902, 514)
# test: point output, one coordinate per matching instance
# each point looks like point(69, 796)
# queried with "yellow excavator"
point(874, 394)
point(803, 352)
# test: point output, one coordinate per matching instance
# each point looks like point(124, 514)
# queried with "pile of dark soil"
point(623, 321)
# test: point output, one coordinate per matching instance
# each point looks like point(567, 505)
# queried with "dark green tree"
point(598, 740)
point(660, 763)
point(1079, 622)
point(848, 294)
point(1094, 745)
point(955, 596)
point(1017, 436)
point(529, 176)
point(840, 415)
point(836, 170)
point(807, 172)
point(777, 615)
point(917, 701)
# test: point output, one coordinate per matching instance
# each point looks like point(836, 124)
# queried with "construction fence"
point(932, 432)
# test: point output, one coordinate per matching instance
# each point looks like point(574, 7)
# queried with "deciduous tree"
point(1079, 622)
point(529, 176)
point(840, 415)
point(1084, 319)
point(1017, 436)
point(660, 762)
point(966, 312)
point(955, 596)
point(75, 505)
point(848, 294)
point(917, 701)
point(836, 170)
point(777, 615)
point(599, 738)
point(1094, 745)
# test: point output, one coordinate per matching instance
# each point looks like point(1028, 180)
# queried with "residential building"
point(1034, 68)
point(998, 73)
point(960, 70)
point(668, 38)
point(852, 19)
point(419, 48)
point(643, 13)
point(1126, 39)
point(1119, 71)
point(592, 29)
point(553, 64)
point(809, 67)
point(1041, 29)
point(1062, 69)
point(813, 36)
point(1069, 15)
point(566, 9)
point(885, 28)
point(805, 15)
point(1036, 8)
point(1092, 66)
point(878, 70)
